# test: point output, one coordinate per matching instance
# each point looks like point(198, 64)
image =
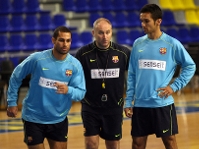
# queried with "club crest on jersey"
point(69, 73)
point(115, 59)
point(163, 51)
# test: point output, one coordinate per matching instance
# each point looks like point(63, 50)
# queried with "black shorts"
point(108, 127)
point(161, 121)
point(35, 133)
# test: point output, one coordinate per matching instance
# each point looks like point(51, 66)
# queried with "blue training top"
point(42, 104)
point(152, 66)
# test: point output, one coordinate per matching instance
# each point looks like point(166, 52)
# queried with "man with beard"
point(57, 79)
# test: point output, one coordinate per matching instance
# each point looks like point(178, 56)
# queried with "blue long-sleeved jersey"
point(152, 66)
point(42, 104)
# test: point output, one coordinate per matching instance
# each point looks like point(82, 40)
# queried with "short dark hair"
point(60, 29)
point(156, 12)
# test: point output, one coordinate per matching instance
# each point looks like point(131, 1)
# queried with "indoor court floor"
point(187, 107)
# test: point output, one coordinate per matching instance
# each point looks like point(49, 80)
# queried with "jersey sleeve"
point(130, 82)
point(19, 73)
point(77, 87)
point(188, 68)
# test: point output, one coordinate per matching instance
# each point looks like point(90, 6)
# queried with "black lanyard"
point(105, 68)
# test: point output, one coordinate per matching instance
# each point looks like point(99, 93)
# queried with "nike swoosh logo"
point(92, 60)
point(45, 69)
point(164, 131)
point(140, 50)
point(117, 135)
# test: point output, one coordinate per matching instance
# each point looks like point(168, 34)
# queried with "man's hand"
point(61, 88)
point(128, 112)
point(165, 92)
point(12, 111)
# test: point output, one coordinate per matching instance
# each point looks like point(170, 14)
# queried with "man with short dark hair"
point(152, 64)
point(57, 79)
